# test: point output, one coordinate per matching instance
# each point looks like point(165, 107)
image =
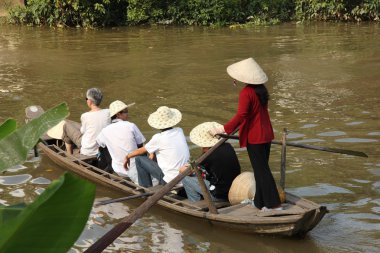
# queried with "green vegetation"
point(100, 13)
point(55, 220)
point(52, 223)
point(343, 10)
point(16, 143)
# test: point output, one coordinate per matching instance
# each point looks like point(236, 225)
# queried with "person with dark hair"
point(168, 150)
point(83, 135)
point(255, 129)
point(221, 166)
point(120, 138)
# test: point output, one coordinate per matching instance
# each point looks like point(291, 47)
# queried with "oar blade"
point(326, 149)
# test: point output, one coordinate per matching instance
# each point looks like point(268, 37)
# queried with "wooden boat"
point(298, 217)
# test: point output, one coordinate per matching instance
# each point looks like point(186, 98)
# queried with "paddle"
point(125, 223)
point(105, 202)
point(292, 144)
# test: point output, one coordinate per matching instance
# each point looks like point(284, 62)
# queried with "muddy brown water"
point(324, 85)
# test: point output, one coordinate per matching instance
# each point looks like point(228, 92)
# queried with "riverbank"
point(103, 13)
point(5, 5)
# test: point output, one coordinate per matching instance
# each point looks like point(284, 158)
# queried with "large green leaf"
point(7, 213)
point(7, 127)
point(53, 222)
point(15, 146)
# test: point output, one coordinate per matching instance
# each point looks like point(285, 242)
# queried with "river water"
point(324, 85)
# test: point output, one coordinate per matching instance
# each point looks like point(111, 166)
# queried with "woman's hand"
point(216, 130)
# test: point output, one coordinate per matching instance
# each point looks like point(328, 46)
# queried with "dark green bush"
point(71, 12)
point(337, 10)
point(93, 13)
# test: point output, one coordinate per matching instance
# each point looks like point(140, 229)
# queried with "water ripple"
point(16, 168)
point(40, 180)
point(15, 180)
point(319, 190)
point(19, 193)
point(355, 140)
point(332, 133)
point(354, 123)
point(309, 125)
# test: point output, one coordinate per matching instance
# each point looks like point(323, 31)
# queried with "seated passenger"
point(92, 122)
point(169, 147)
point(121, 137)
point(221, 166)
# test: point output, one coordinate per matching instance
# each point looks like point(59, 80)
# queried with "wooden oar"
point(105, 202)
point(117, 230)
point(326, 149)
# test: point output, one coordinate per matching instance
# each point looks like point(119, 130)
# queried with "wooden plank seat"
point(158, 187)
point(202, 204)
point(84, 158)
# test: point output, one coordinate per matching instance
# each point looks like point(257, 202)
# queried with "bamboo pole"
point(205, 192)
point(105, 202)
point(283, 158)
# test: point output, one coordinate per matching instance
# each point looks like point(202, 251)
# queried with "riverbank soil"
point(6, 4)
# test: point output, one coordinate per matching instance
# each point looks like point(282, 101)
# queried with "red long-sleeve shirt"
point(252, 119)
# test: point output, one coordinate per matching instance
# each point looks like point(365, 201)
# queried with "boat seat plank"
point(248, 211)
point(82, 157)
point(202, 204)
point(74, 157)
point(288, 209)
point(156, 188)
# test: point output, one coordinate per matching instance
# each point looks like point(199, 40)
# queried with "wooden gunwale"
point(286, 225)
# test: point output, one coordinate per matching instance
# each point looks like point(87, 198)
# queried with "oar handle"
point(105, 202)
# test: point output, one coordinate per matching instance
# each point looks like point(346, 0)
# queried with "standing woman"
point(255, 129)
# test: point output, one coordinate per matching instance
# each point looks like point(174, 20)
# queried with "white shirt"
point(171, 151)
point(121, 138)
point(92, 124)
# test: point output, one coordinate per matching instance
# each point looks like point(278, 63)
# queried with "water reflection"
point(40, 180)
point(332, 133)
point(16, 168)
point(19, 193)
point(148, 234)
point(355, 140)
point(319, 190)
point(15, 180)
point(343, 232)
point(39, 190)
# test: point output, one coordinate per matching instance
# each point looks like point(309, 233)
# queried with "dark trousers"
point(266, 190)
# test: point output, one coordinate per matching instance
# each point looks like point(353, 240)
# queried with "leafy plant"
point(94, 13)
point(54, 221)
point(7, 127)
point(337, 10)
point(16, 143)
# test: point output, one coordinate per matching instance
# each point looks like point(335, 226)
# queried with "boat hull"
point(240, 218)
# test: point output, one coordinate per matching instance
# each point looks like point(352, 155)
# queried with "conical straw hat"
point(56, 131)
point(243, 187)
point(247, 71)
